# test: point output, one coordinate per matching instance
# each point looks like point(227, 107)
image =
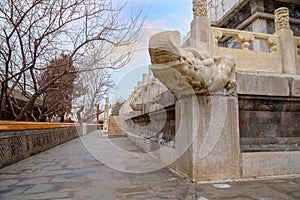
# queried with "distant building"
point(252, 15)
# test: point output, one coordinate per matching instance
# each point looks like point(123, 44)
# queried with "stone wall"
point(269, 124)
point(218, 9)
point(269, 112)
point(150, 124)
point(18, 145)
point(259, 164)
point(239, 17)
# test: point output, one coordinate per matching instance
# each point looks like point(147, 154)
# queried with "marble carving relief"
point(188, 70)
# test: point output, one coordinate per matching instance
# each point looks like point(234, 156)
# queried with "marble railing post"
point(106, 115)
point(207, 137)
point(286, 40)
point(200, 27)
point(207, 128)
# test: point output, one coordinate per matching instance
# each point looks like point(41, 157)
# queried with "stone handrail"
point(245, 37)
point(246, 59)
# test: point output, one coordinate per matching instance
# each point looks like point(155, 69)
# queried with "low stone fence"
point(264, 61)
point(20, 140)
point(260, 135)
point(151, 124)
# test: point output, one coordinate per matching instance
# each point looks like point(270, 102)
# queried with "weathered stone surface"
point(153, 123)
point(207, 147)
point(185, 132)
point(188, 70)
point(258, 84)
point(16, 148)
point(201, 34)
point(296, 87)
point(167, 99)
point(18, 145)
point(216, 147)
point(32, 181)
point(40, 188)
point(248, 60)
point(286, 38)
point(167, 154)
point(134, 192)
point(269, 123)
point(270, 144)
point(199, 8)
point(270, 163)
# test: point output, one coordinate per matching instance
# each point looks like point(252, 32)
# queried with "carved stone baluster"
point(245, 39)
point(200, 27)
point(272, 43)
point(217, 35)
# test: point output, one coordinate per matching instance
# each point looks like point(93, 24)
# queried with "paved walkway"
point(94, 167)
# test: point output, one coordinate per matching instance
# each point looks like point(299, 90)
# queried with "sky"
point(161, 15)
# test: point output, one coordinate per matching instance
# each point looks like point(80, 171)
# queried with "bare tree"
point(57, 99)
point(34, 32)
point(97, 84)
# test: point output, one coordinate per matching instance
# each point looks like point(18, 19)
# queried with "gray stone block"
point(296, 87)
point(270, 163)
point(267, 84)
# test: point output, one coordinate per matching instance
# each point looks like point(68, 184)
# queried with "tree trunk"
point(28, 107)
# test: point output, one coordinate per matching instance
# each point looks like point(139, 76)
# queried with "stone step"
point(116, 127)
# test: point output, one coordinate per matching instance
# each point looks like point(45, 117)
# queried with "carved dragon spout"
point(187, 70)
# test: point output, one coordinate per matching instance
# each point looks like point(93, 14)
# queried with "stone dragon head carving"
point(187, 70)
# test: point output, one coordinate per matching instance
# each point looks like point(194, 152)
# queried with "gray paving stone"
point(75, 186)
point(41, 188)
point(44, 195)
point(69, 171)
point(296, 195)
point(68, 178)
point(53, 168)
point(13, 190)
point(7, 182)
point(34, 181)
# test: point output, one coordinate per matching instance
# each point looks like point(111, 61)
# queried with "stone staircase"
point(116, 127)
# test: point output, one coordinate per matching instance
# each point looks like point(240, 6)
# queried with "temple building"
point(251, 15)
